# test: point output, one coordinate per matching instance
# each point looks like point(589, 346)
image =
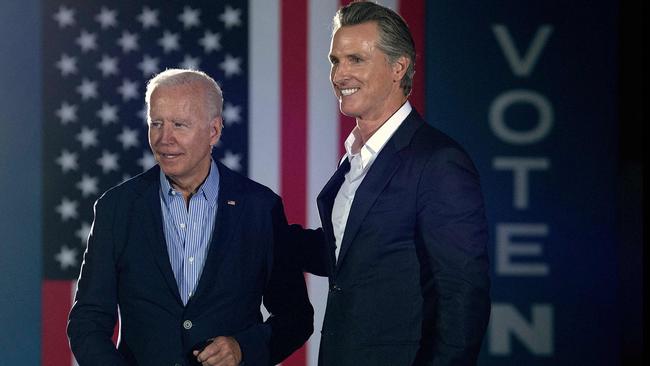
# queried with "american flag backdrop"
point(282, 125)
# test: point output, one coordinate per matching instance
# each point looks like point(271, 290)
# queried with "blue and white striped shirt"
point(188, 231)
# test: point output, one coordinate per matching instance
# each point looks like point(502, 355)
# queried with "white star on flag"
point(106, 18)
point(142, 114)
point(67, 113)
point(67, 65)
point(231, 114)
point(230, 66)
point(232, 161)
point(148, 65)
point(87, 41)
point(64, 16)
point(190, 62)
point(169, 42)
point(128, 90)
point(108, 65)
point(128, 138)
point(108, 162)
point(128, 41)
point(67, 160)
point(108, 113)
point(67, 257)
point(210, 41)
point(146, 161)
point(190, 17)
point(67, 209)
point(83, 232)
point(87, 89)
point(148, 18)
point(88, 185)
point(87, 137)
point(230, 17)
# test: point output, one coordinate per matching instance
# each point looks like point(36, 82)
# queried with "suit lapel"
point(325, 201)
point(229, 210)
point(379, 175)
point(150, 215)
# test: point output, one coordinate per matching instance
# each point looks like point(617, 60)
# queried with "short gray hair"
point(176, 77)
point(395, 39)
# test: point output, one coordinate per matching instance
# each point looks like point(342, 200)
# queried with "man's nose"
point(340, 73)
point(167, 134)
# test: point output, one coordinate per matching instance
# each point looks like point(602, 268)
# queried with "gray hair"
point(395, 39)
point(176, 77)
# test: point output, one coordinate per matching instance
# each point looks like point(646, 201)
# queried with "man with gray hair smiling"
point(186, 251)
point(404, 233)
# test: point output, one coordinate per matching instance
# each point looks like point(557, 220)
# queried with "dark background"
point(630, 178)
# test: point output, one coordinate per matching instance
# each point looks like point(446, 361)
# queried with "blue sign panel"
point(529, 88)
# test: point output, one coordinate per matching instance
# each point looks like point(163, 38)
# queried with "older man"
point(404, 231)
point(186, 251)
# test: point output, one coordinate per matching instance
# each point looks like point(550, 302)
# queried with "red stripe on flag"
point(413, 12)
point(293, 110)
point(55, 306)
point(293, 121)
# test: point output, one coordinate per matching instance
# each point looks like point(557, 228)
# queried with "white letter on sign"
point(506, 322)
point(520, 168)
point(507, 249)
point(519, 66)
point(505, 100)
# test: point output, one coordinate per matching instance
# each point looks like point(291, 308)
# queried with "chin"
point(350, 112)
point(168, 170)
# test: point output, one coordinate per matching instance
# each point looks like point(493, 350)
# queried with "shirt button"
point(182, 225)
point(191, 259)
point(187, 324)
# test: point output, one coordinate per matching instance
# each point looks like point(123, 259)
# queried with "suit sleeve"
point(310, 248)
point(452, 228)
point(94, 312)
point(291, 314)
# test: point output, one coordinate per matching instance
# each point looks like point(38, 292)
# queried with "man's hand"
point(223, 351)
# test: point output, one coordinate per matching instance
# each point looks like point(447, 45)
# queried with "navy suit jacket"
point(126, 265)
point(411, 285)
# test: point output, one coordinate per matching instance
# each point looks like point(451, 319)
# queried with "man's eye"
point(155, 124)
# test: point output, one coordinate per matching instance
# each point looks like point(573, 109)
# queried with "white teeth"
point(349, 91)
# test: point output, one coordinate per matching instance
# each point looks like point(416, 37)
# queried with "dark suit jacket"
point(127, 265)
point(411, 284)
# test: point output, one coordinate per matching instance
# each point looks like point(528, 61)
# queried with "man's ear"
point(399, 68)
point(216, 125)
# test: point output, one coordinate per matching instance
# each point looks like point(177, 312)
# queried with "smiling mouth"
point(348, 91)
point(169, 156)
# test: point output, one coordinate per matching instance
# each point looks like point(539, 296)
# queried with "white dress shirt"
point(360, 162)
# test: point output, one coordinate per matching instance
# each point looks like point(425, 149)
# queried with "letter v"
point(522, 67)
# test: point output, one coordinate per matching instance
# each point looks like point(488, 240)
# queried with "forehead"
point(350, 37)
point(184, 98)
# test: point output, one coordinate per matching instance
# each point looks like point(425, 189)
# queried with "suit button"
point(177, 364)
point(334, 288)
point(187, 324)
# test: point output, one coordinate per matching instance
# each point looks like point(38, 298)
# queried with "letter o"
point(505, 133)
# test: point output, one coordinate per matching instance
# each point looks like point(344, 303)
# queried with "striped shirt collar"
point(208, 190)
